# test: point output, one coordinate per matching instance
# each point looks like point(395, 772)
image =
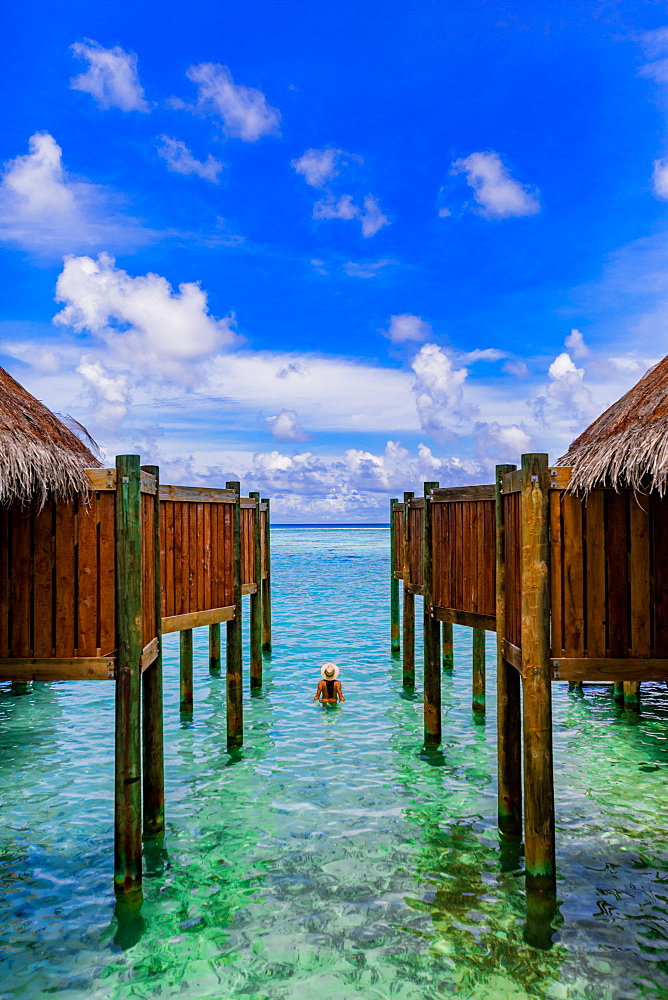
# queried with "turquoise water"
point(332, 857)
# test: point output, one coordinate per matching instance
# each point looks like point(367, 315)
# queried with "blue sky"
point(334, 250)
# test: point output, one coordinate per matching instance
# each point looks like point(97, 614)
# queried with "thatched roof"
point(628, 444)
point(39, 456)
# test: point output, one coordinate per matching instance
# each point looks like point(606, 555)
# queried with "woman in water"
point(329, 688)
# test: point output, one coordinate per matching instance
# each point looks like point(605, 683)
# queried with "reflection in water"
point(333, 855)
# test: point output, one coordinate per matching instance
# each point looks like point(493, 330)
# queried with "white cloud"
point(515, 367)
point(575, 344)
point(368, 269)
point(439, 393)
point(180, 159)
point(406, 327)
point(497, 444)
point(498, 195)
point(285, 426)
point(110, 393)
point(565, 399)
point(484, 354)
point(243, 111)
point(444, 213)
point(111, 77)
point(660, 178)
point(655, 44)
point(317, 166)
point(372, 218)
point(42, 208)
point(141, 319)
point(333, 208)
point(369, 214)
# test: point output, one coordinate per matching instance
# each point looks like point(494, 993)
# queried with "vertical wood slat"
point(256, 600)
point(617, 572)
point(106, 601)
point(395, 628)
point(408, 661)
point(152, 711)
point(266, 580)
point(233, 676)
point(87, 578)
point(595, 582)
point(573, 575)
point(65, 579)
point(432, 629)
point(5, 528)
point(659, 513)
point(192, 561)
point(206, 556)
point(556, 573)
point(639, 566)
point(21, 573)
point(43, 568)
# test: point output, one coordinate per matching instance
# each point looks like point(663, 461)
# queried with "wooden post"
point(214, 648)
point(186, 672)
point(152, 722)
point(448, 647)
point(508, 704)
point(632, 696)
point(127, 796)
point(409, 604)
point(395, 636)
point(432, 631)
point(537, 685)
point(266, 585)
point(618, 692)
point(478, 703)
point(235, 721)
point(256, 605)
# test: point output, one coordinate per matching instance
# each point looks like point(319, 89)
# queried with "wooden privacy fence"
point(88, 587)
point(576, 588)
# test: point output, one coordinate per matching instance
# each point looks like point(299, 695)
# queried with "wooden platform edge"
point(248, 588)
point(179, 623)
point(78, 668)
point(513, 655)
point(451, 616)
point(102, 480)
point(456, 494)
point(567, 668)
point(195, 494)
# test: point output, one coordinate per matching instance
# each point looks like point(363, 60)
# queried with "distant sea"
point(334, 524)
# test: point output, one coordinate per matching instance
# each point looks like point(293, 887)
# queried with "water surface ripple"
point(332, 857)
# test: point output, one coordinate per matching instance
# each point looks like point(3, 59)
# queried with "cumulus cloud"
point(243, 111)
point(111, 76)
point(110, 393)
point(181, 161)
point(565, 398)
point(575, 344)
point(42, 208)
point(497, 444)
point(142, 319)
point(497, 193)
point(318, 166)
point(285, 426)
point(406, 327)
point(369, 213)
point(439, 393)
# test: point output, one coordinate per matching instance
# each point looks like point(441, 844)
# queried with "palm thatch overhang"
point(40, 457)
point(627, 446)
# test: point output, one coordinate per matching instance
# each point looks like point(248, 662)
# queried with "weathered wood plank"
point(459, 494)
point(195, 619)
point(195, 494)
point(87, 571)
point(595, 582)
point(659, 513)
point(639, 566)
point(21, 576)
point(43, 568)
point(512, 482)
point(454, 616)
point(73, 668)
point(617, 573)
point(610, 668)
point(106, 599)
point(65, 579)
point(573, 575)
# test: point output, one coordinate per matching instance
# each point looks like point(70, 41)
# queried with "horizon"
point(331, 253)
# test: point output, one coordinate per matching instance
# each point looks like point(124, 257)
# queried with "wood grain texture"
point(61, 669)
point(455, 617)
point(459, 494)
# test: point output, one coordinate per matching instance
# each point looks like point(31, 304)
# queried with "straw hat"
point(329, 671)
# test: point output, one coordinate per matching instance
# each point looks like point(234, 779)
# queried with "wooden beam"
point(266, 582)
point(395, 627)
point(256, 602)
point(511, 482)
point(248, 588)
point(415, 589)
point(455, 494)
point(177, 623)
point(478, 698)
point(186, 692)
point(508, 693)
point(195, 494)
point(127, 797)
point(468, 618)
point(408, 662)
point(432, 631)
point(78, 668)
point(539, 836)
point(560, 477)
point(512, 655)
point(609, 669)
point(105, 479)
point(153, 750)
point(233, 676)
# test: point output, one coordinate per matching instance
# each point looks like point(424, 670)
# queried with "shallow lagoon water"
point(332, 857)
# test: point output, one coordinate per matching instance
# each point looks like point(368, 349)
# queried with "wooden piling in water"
point(214, 648)
point(234, 637)
point(632, 696)
point(618, 692)
point(256, 603)
point(127, 769)
point(408, 664)
point(508, 695)
point(447, 647)
point(152, 720)
point(186, 670)
point(395, 634)
point(478, 702)
point(536, 677)
point(432, 631)
point(266, 584)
